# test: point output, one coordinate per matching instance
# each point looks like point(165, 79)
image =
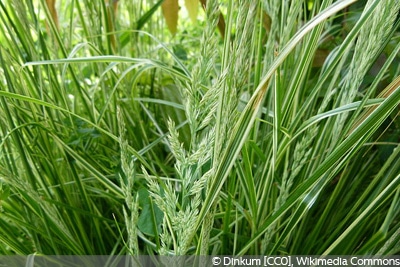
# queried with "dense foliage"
point(254, 127)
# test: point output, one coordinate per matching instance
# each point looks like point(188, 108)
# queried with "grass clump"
point(278, 136)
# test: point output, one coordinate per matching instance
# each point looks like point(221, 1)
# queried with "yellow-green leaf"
point(192, 6)
point(170, 9)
